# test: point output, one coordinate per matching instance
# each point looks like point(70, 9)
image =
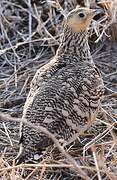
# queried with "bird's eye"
point(81, 15)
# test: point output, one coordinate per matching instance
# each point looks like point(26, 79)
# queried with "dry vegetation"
point(29, 36)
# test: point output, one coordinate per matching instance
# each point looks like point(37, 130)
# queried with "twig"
point(42, 172)
point(30, 25)
point(7, 134)
point(76, 167)
point(91, 168)
point(33, 171)
point(96, 163)
point(97, 138)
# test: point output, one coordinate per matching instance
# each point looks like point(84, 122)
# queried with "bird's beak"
point(97, 11)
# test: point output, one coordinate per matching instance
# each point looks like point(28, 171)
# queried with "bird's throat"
point(76, 45)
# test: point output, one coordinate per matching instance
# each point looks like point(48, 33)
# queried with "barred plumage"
point(65, 93)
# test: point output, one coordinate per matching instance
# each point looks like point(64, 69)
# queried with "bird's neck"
point(76, 45)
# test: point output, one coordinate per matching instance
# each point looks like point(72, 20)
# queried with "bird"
point(65, 94)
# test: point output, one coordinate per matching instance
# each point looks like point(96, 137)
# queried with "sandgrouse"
point(65, 94)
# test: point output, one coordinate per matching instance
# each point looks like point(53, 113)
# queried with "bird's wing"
point(66, 104)
point(41, 77)
point(71, 94)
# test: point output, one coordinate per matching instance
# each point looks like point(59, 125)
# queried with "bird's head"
point(79, 18)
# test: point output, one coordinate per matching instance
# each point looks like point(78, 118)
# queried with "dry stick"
point(27, 40)
point(91, 168)
point(87, 3)
point(30, 25)
point(13, 172)
point(105, 112)
point(23, 87)
point(33, 171)
point(24, 65)
point(7, 134)
point(16, 78)
point(76, 167)
point(110, 151)
point(42, 172)
point(97, 138)
point(96, 163)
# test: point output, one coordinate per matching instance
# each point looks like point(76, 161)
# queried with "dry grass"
point(29, 36)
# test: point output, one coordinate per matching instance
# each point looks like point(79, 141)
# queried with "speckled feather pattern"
point(64, 96)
